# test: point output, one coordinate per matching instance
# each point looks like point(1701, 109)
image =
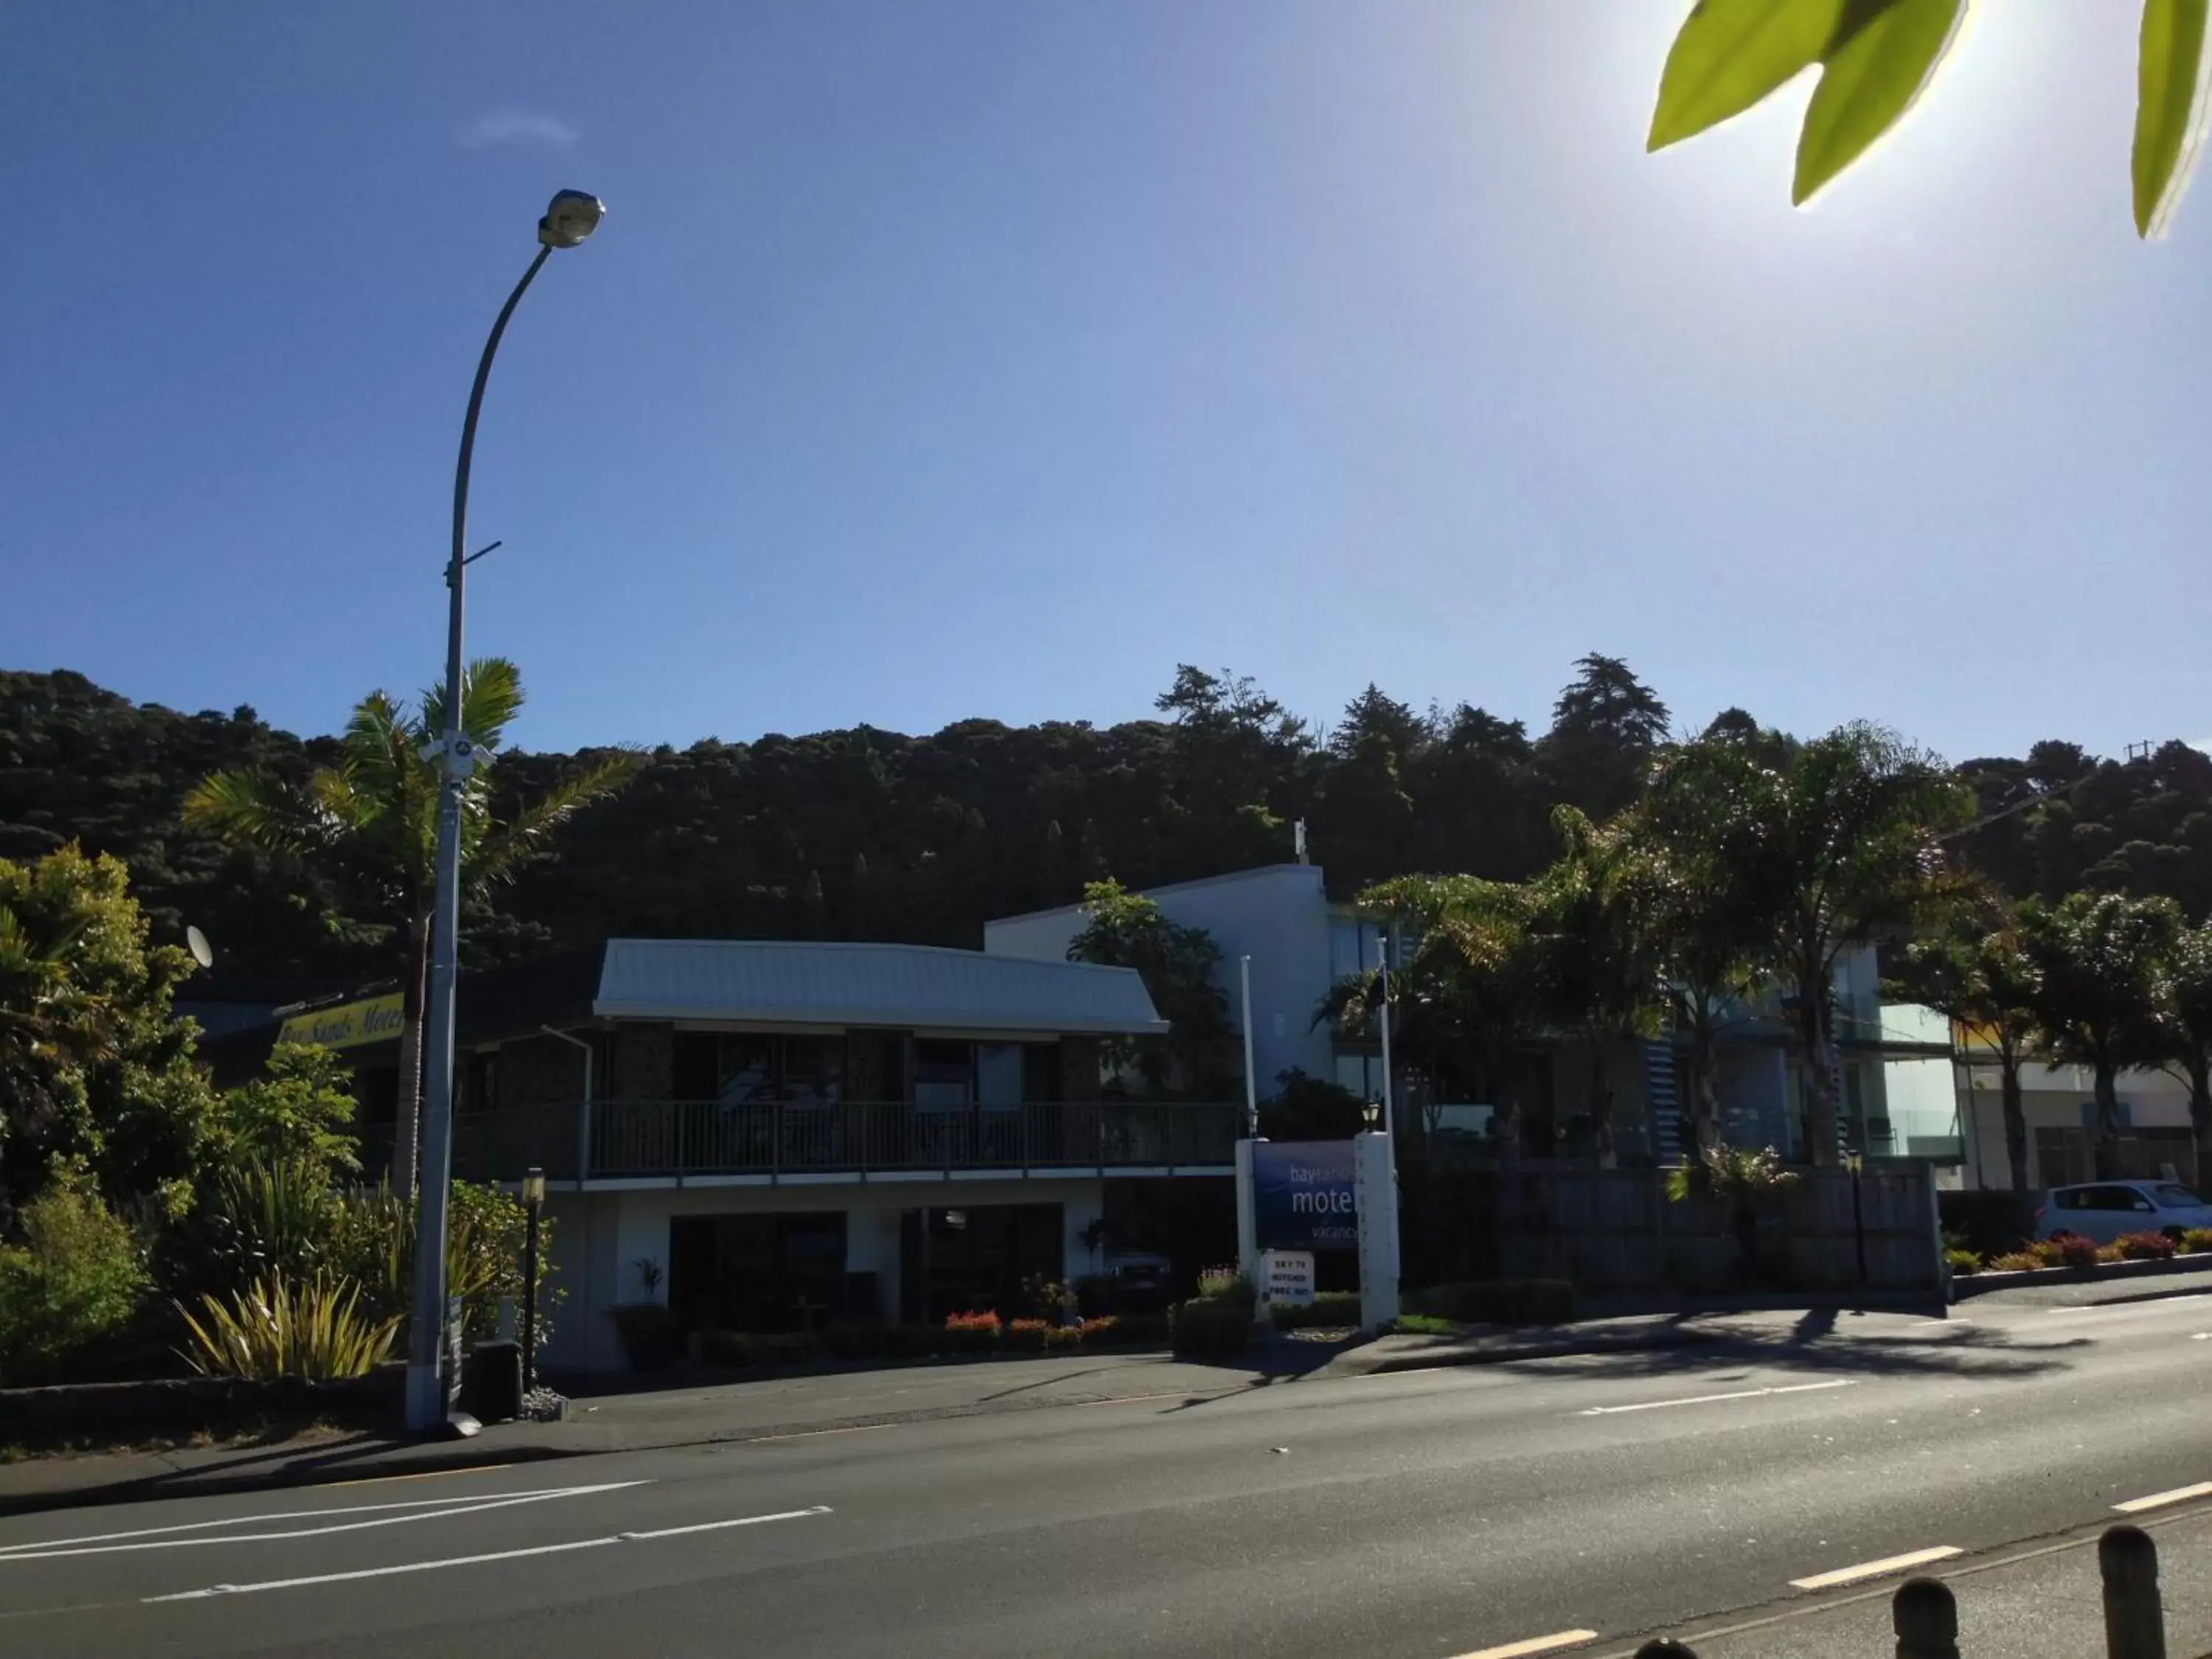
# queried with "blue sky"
point(989, 359)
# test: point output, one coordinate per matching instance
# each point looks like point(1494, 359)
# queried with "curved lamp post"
point(570, 218)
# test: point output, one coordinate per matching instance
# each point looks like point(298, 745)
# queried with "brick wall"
point(539, 1070)
point(644, 1066)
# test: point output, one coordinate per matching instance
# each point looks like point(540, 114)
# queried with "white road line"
point(2156, 1304)
point(1713, 1399)
point(156, 1538)
point(2161, 1499)
point(1551, 1643)
point(1876, 1569)
point(480, 1560)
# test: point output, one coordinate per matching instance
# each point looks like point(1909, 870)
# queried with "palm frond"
point(491, 696)
point(255, 809)
point(505, 848)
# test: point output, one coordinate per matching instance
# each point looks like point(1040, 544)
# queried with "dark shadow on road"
point(1964, 1350)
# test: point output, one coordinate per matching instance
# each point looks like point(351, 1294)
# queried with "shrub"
point(971, 1333)
point(1210, 1326)
point(2077, 1252)
point(1424, 1325)
point(788, 1348)
point(1497, 1302)
point(2049, 1252)
point(1028, 1335)
point(1963, 1261)
point(68, 1291)
point(1214, 1283)
point(2014, 1262)
point(2146, 1246)
point(1144, 1330)
point(1332, 1309)
point(2196, 1240)
point(727, 1350)
point(1066, 1336)
point(282, 1328)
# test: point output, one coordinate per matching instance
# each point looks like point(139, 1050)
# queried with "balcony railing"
point(633, 1139)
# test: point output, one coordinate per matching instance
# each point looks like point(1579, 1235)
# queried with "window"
point(999, 1075)
point(814, 1070)
point(944, 1076)
point(745, 1069)
point(2173, 1197)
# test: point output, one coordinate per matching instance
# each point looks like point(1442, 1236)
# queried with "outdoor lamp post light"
point(1854, 1163)
point(1371, 1111)
point(570, 217)
point(533, 1200)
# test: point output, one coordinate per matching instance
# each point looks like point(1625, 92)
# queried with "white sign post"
point(1374, 1187)
point(1286, 1279)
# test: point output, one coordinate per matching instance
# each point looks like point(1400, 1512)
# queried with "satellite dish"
point(196, 943)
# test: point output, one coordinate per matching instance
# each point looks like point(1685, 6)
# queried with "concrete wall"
point(1278, 916)
point(599, 1238)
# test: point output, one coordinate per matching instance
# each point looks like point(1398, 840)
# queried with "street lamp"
point(570, 217)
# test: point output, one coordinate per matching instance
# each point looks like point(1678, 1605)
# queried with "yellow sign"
point(349, 1026)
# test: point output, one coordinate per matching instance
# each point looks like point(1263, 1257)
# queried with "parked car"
point(2105, 1210)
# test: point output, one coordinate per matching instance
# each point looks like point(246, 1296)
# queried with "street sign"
point(1286, 1278)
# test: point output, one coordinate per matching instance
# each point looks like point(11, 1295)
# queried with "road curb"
point(1965, 1286)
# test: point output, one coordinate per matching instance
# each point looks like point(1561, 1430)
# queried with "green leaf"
point(1868, 82)
point(1730, 54)
point(2170, 81)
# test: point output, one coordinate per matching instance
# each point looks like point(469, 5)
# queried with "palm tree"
point(2184, 1015)
point(1826, 846)
point(1595, 952)
point(2099, 957)
point(1978, 973)
point(370, 821)
point(1470, 991)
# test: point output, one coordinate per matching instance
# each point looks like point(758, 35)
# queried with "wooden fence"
point(1616, 1230)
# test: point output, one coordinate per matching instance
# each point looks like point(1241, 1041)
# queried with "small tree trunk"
point(1705, 1093)
point(1824, 1149)
point(407, 1128)
point(2108, 1122)
point(2016, 1119)
point(1601, 1105)
point(2200, 1117)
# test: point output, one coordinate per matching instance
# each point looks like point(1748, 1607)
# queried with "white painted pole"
point(1383, 956)
point(1251, 1080)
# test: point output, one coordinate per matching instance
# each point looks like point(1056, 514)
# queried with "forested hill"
point(870, 834)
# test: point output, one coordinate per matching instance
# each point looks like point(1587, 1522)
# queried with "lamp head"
point(570, 219)
point(533, 1187)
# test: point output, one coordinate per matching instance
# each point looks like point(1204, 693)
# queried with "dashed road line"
point(2158, 1500)
point(1714, 1399)
point(1876, 1569)
point(444, 1562)
point(1551, 1643)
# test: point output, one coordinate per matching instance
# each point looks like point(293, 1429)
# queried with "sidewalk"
point(2028, 1601)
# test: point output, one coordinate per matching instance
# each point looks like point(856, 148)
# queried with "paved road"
point(1424, 1513)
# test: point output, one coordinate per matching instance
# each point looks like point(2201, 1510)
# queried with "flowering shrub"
point(1963, 1261)
point(1219, 1281)
point(1063, 1337)
point(968, 1333)
point(2145, 1247)
point(2077, 1252)
point(1028, 1334)
point(2197, 1239)
point(2014, 1262)
point(2049, 1252)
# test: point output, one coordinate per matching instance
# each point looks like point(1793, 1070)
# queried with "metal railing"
point(609, 1139)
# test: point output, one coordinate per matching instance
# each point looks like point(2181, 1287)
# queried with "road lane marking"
point(425, 1474)
point(163, 1538)
point(815, 1434)
point(480, 1560)
point(1876, 1569)
point(1712, 1399)
point(2155, 1304)
point(1557, 1639)
point(2161, 1499)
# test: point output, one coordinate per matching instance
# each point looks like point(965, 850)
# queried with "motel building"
point(771, 1136)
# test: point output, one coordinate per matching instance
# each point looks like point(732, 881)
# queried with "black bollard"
point(1926, 1619)
point(1665, 1647)
point(2135, 1624)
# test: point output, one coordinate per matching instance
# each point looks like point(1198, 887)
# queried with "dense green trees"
point(1199, 1058)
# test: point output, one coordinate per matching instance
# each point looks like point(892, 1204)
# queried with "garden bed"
point(1980, 1283)
point(183, 1408)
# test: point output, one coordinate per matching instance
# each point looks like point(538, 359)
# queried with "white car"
point(2105, 1210)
